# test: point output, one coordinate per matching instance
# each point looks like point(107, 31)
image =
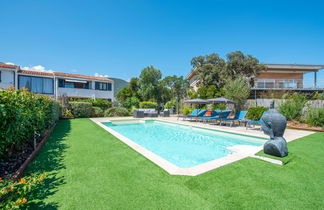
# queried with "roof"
point(39, 73)
point(282, 67)
point(9, 66)
point(81, 76)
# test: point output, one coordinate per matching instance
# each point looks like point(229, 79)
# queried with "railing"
point(89, 93)
point(288, 84)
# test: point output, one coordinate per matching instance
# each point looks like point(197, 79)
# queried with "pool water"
point(181, 145)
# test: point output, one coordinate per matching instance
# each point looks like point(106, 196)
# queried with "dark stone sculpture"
point(274, 124)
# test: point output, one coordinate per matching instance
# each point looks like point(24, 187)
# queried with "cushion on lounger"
point(208, 113)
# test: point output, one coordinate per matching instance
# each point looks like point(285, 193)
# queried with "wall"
point(267, 102)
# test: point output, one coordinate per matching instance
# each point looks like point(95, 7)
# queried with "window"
point(74, 84)
point(36, 84)
point(103, 86)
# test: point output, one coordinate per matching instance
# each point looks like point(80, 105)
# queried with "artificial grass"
point(90, 169)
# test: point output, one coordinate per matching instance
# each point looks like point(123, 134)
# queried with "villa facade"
point(281, 77)
point(56, 84)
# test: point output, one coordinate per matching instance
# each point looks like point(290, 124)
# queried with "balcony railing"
point(288, 84)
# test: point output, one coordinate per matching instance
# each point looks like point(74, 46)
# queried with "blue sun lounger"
point(239, 117)
point(223, 115)
point(215, 113)
point(193, 114)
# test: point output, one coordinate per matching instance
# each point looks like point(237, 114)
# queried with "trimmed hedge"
point(97, 112)
point(116, 112)
point(81, 109)
point(148, 105)
point(22, 113)
point(255, 113)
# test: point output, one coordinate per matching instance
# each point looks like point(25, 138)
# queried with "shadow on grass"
point(50, 159)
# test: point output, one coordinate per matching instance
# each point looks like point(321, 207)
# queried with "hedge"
point(22, 113)
point(81, 109)
point(97, 112)
point(148, 105)
point(116, 112)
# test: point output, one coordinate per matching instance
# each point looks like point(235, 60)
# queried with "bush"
point(170, 104)
point(315, 117)
point(255, 113)
point(187, 110)
point(68, 113)
point(22, 113)
point(116, 112)
point(13, 194)
point(99, 102)
point(130, 102)
point(97, 112)
point(148, 105)
point(81, 109)
point(292, 108)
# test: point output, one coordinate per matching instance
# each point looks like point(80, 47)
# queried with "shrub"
point(237, 90)
point(22, 113)
point(255, 113)
point(292, 108)
point(148, 105)
point(116, 112)
point(315, 117)
point(13, 194)
point(97, 112)
point(170, 104)
point(130, 102)
point(187, 110)
point(68, 113)
point(99, 102)
point(81, 109)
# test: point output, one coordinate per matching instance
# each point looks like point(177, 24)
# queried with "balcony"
point(288, 84)
point(84, 93)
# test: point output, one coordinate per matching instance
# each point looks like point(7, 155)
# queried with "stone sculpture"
point(274, 124)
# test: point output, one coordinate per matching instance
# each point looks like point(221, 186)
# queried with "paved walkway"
point(290, 134)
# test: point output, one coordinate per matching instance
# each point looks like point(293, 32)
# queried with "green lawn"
point(91, 169)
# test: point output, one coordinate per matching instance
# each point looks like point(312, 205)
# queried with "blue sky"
point(120, 38)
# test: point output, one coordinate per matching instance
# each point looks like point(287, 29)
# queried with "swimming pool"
point(182, 145)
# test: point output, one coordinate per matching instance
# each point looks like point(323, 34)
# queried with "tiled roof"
point(37, 73)
point(80, 76)
point(4, 65)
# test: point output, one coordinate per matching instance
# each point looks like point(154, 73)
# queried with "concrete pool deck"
point(172, 169)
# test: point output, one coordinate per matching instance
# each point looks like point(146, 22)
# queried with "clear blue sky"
point(119, 38)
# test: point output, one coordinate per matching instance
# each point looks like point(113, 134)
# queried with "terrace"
point(109, 174)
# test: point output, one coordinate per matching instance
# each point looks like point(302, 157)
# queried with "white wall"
point(7, 78)
point(89, 93)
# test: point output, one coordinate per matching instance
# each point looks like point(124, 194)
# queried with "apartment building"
point(56, 84)
point(278, 77)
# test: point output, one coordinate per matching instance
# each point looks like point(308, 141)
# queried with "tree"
point(149, 87)
point(209, 69)
point(237, 90)
point(213, 70)
point(240, 65)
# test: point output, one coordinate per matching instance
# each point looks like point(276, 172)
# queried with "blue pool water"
point(183, 146)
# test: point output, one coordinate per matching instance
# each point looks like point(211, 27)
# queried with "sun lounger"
point(215, 113)
point(223, 115)
point(239, 117)
point(193, 114)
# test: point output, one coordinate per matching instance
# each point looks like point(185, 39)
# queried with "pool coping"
point(168, 166)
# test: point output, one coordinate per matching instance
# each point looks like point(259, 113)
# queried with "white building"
point(57, 84)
